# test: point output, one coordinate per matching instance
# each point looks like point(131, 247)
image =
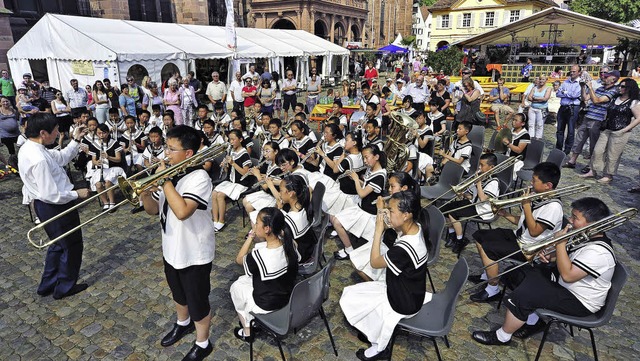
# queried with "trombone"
point(481, 177)
point(131, 189)
point(500, 203)
point(531, 251)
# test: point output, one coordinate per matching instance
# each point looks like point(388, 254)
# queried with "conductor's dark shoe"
point(176, 333)
point(384, 355)
point(529, 330)
point(137, 209)
point(483, 296)
point(488, 338)
point(475, 278)
point(198, 353)
point(77, 288)
point(44, 293)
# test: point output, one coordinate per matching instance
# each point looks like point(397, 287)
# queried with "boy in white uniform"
point(188, 240)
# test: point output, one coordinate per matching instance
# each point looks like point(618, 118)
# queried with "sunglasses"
point(466, 72)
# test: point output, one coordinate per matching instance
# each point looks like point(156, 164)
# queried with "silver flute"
point(348, 172)
point(249, 172)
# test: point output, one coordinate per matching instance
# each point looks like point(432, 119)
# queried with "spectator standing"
point(189, 102)
point(196, 85)
point(569, 94)
point(249, 92)
point(313, 91)
point(251, 73)
point(113, 94)
point(289, 86)
point(78, 99)
point(442, 97)
point(102, 101)
point(538, 96)
point(236, 92)
point(48, 92)
point(556, 73)
point(419, 93)
point(458, 89)
point(216, 90)
point(526, 70)
point(7, 87)
point(62, 111)
point(276, 84)
point(30, 84)
point(635, 73)
point(172, 101)
point(154, 99)
point(127, 103)
point(42, 105)
point(90, 104)
point(135, 92)
point(9, 129)
point(266, 94)
point(370, 73)
point(553, 105)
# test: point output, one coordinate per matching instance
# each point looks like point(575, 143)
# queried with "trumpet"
point(531, 251)
point(348, 172)
point(131, 189)
point(499, 203)
point(249, 172)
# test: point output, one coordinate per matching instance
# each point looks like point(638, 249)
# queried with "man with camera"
point(569, 94)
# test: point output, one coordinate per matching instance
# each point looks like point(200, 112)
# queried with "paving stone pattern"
point(127, 307)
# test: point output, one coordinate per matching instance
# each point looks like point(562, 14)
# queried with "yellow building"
point(455, 20)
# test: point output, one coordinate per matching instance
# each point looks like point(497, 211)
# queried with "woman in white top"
point(101, 101)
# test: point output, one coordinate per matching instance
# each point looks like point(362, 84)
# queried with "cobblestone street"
point(127, 308)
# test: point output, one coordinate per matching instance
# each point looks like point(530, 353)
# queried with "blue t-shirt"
point(129, 104)
point(494, 93)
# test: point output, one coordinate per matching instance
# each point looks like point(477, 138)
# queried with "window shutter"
point(482, 20)
point(439, 21)
point(460, 16)
point(506, 17)
point(472, 23)
point(523, 14)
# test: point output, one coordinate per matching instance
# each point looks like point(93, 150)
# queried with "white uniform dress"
point(233, 187)
point(267, 283)
point(521, 137)
point(138, 137)
point(110, 171)
point(462, 150)
point(361, 220)
point(347, 195)
point(262, 199)
point(376, 307)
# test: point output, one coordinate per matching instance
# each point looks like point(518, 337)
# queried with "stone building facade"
point(386, 19)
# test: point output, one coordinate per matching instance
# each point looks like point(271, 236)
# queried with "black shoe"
point(198, 353)
point(45, 293)
point(362, 337)
point(137, 209)
point(451, 239)
point(384, 355)
point(459, 245)
point(77, 288)
point(488, 338)
point(475, 279)
point(483, 296)
point(236, 333)
point(340, 257)
point(176, 333)
point(585, 170)
point(569, 165)
point(528, 330)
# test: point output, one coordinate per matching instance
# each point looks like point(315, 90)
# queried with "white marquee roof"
point(95, 39)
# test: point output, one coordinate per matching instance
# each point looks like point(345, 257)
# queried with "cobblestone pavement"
point(127, 307)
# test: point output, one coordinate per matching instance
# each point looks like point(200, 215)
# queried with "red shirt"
point(370, 74)
point(249, 101)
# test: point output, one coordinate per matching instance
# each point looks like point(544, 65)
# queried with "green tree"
point(409, 41)
point(619, 11)
point(449, 60)
point(427, 2)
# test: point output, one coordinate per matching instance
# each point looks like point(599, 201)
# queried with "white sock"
point(371, 351)
point(202, 344)
point(185, 322)
point(484, 276)
point(533, 319)
point(459, 237)
point(451, 230)
point(348, 249)
point(502, 335)
point(492, 290)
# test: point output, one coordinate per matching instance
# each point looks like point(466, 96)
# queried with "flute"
point(262, 182)
point(348, 172)
point(249, 172)
point(383, 198)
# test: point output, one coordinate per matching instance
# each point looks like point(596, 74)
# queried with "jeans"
point(589, 129)
point(567, 118)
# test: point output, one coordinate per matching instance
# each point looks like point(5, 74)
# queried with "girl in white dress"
point(107, 156)
point(350, 160)
point(270, 269)
point(239, 163)
point(375, 308)
point(254, 202)
point(360, 220)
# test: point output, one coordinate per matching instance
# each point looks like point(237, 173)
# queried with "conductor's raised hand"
point(83, 193)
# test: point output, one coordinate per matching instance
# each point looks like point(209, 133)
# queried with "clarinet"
point(249, 172)
point(348, 172)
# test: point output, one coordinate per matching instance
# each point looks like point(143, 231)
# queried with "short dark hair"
point(300, 105)
point(365, 86)
point(202, 106)
point(114, 111)
point(301, 115)
point(210, 122)
point(130, 117)
point(156, 107)
point(547, 172)
point(216, 106)
point(593, 209)
point(144, 111)
point(287, 155)
point(186, 135)
point(38, 122)
point(467, 125)
point(491, 159)
point(433, 102)
point(93, 118)
point(156, 130)
point(276, 121)
point(338, 102)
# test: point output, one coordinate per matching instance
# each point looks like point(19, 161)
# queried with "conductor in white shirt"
point(46, 183)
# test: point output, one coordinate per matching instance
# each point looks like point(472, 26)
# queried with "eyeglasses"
point(169, 150)
point(466, 72)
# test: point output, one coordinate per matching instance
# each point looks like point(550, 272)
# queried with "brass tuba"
point(403, 129)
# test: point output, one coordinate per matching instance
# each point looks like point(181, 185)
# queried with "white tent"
point(94, 48)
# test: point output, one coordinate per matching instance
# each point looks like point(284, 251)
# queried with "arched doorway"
point(339, 34)
point(138, 72)
point(320, 29)
point(168, 70)
point(355, 33)
point(283, 24)
point(442, 45)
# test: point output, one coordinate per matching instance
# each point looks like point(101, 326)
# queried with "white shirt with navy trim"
point(547, 212)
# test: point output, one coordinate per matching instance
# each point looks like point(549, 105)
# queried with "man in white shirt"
point(419, 92)
point(46, 183)
point(216, 90)
point(251, 73)
point(236, 92)
point(289, 86)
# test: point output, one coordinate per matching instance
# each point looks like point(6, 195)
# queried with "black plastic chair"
point(556, 156)
point(597, 319)
point(533, 158)
point(492, 146)
point(474, 160)
point(311, 265)
point(435, 319)
point(476, 136)
point(451, 175)
point(436, 228)
point(506, 176)
point(304, 304)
